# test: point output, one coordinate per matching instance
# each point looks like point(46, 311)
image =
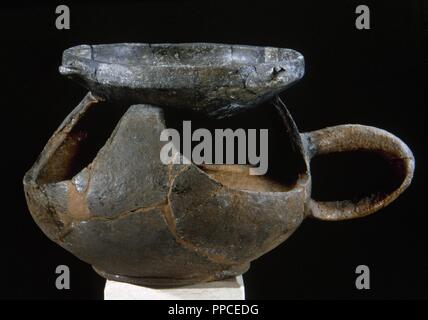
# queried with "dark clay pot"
point(135, 219)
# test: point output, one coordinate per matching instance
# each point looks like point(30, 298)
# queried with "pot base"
point(171, 282)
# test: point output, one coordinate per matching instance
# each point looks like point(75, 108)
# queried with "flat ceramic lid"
point(213, 78)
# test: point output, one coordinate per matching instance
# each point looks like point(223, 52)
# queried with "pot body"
point(138, 220)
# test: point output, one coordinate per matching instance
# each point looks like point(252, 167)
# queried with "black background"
point(375, 77)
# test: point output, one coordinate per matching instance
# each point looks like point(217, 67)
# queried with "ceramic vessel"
point(138, 220)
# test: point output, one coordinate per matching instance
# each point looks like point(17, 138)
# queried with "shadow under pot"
point(107, 198)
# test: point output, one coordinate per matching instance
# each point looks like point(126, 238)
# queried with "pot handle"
point(355, 137)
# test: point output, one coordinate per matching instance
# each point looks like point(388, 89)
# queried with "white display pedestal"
point(230, 289)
